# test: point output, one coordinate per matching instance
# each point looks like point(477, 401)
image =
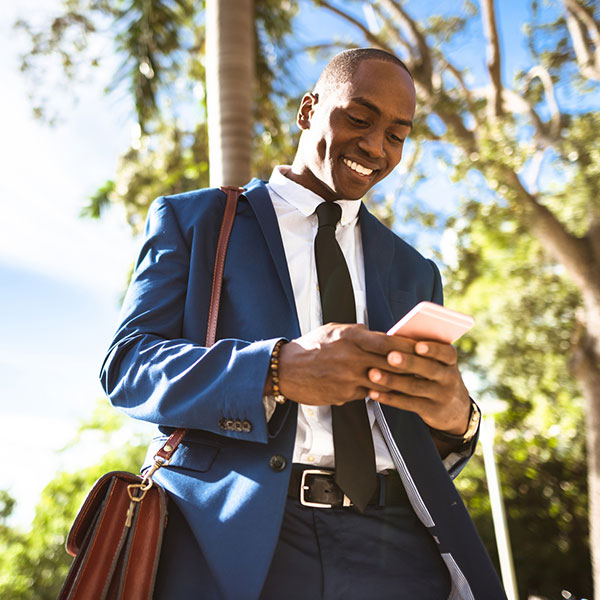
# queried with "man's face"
point(353, 136)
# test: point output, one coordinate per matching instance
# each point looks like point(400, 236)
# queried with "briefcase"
point(116, 540)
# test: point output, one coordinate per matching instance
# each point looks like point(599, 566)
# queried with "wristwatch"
point(467, 436)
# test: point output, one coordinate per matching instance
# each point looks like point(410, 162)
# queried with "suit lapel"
point(378, 252)
point(259, 200)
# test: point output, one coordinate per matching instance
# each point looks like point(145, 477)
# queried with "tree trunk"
point(229, 86)
point(588, 377)
point(586, 368)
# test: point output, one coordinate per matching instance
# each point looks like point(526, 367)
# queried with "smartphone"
point(429, 321)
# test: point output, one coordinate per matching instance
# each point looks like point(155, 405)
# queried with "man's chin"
point(353, 190)
point(354, 185)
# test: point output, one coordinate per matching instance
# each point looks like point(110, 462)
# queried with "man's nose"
point(371, 142)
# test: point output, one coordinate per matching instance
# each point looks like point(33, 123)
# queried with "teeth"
point(356, 167)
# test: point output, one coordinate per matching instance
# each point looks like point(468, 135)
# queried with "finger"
point(376, 380)
point(401, 362)
point(380, 343)
point(424, 407)
point(387, 382)
point(444, 353)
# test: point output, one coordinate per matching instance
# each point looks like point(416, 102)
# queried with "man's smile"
point(357, 167)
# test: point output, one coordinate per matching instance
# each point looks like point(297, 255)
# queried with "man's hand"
point(335, 364)
point(427, 381)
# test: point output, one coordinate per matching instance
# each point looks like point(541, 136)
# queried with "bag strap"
point(163, 456)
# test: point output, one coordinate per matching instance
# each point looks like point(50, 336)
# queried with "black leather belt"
point(316, 488)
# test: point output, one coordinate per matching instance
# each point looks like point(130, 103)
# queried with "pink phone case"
point(429, 321)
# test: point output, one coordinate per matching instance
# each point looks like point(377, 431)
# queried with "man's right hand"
point(330, 364)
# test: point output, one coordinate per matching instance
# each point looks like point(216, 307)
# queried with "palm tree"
point(229, 87)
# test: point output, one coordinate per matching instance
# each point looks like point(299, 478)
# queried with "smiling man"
point(357, 127)
point(320, 450)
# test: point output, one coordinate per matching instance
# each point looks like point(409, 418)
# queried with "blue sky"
point(60, 275)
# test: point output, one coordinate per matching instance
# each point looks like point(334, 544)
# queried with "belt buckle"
point(304, 487)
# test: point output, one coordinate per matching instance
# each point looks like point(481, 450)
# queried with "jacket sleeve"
point(455, 462)
point(152, 373)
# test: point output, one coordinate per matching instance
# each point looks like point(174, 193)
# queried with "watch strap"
point(465, 438)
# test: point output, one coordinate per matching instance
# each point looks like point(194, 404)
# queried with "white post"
point(488, 430)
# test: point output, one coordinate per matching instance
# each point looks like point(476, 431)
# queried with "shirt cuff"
point(270, 406)
point(455, 457)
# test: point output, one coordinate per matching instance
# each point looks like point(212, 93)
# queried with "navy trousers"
point(340, 554)
point(322, 554)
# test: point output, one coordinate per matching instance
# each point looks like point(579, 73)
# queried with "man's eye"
point(396, 139)
point(357, 120)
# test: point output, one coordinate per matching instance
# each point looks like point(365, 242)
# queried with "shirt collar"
point(305, 200)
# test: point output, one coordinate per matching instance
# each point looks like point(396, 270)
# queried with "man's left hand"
point(426, 381)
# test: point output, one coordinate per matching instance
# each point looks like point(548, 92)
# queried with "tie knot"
point(329, 213)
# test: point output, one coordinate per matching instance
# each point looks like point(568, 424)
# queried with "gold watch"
point(467, 436)
point(474, 421)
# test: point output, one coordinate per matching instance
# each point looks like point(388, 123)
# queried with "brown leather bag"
point(117, 535)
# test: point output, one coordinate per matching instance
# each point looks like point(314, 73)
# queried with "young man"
point(336, 482)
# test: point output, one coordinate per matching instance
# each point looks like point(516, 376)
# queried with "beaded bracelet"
point(277, 395)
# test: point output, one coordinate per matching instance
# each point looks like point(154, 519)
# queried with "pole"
point(488, 430)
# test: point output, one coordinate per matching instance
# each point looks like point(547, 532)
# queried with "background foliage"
point(34, 564)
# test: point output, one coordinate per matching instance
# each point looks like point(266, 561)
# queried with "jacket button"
point(246, 426)
point(277, 462)
point(222, 423)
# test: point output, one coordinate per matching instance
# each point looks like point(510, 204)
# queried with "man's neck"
point(303, 176)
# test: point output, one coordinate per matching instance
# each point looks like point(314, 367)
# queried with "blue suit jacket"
point(158, 369)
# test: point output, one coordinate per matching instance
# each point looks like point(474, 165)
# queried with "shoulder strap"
point(233, 193)
point(163, 456)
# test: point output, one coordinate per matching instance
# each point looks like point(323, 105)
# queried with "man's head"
point(354, 124)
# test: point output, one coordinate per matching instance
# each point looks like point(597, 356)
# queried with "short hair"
point(342, 67)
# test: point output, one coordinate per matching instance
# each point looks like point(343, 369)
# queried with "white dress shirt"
point(295, 208)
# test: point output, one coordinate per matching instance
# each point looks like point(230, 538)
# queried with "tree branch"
point(448, 66)
point(518, 104)
point(570, 251)
point(493, 52)
point(580, 23)
point(347, 17)
point(542, 74)
point(422, 67)
point(393, 31)
point(536, 167)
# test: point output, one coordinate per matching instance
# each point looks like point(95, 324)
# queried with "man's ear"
point(306, 110)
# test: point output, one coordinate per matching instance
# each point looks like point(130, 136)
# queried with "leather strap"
point(233, 193)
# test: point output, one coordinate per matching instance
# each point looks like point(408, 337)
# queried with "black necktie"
point(352, 440)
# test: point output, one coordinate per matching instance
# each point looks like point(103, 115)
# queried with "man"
point(247, 519)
